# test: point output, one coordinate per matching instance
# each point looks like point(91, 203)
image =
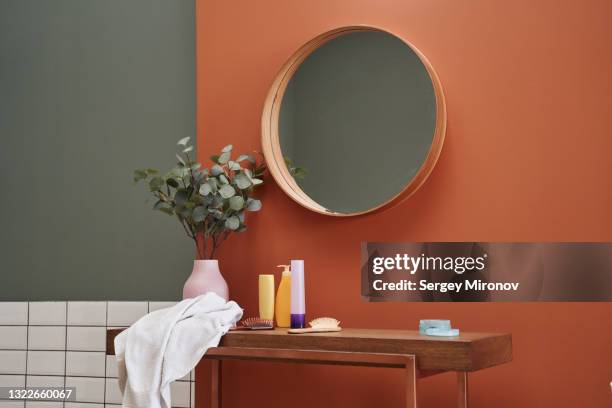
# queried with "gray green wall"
point(90, 90)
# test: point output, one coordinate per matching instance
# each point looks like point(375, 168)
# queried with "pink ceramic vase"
point(205, 277)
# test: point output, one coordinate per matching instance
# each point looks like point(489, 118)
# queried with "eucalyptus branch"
point(208, 208)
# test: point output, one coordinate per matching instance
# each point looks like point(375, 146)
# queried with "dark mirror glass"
point(357, 121)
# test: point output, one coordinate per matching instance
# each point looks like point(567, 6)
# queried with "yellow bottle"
point(283, 299)
point(266, 297)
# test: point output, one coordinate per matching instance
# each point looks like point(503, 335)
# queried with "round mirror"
point(354, 122)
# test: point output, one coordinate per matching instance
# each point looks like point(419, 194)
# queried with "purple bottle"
point(298, 304)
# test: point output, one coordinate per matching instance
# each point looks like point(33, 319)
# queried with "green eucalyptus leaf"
point(139, 174)
point(182, 171)
point(185, 212)
point(256, 181)
point(215, 158)
point(224, 158)
point(216, 170)
point(214, 186)
point(236, 203)
point(232, 165)
point(227, 148)
point(247, 157)
point(183, 141)
point(156, 183)
point(180, 159)
point(242, 181)
point(223, 179)
point(298, 172)
point(172, 182)
point(195, 166)
point(199, 214)
point(205, 189)
point(180, 198)
point(198, 176)
point(151, 171)
point(163, 207)
point(217, 202)
point(253, 204)
point(227, 191)
point(188, 149)
point(232, 223)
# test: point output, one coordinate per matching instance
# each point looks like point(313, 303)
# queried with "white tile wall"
point(113, 394)
point(63, 344)
point(46, 362)
point(126, 313)
point(85, 364)
point(47, 313)
point(46, 338)
point(13, 313)
point(43, 404)
point(11, 404)
point(12, 380)
point(13, 337)
point(86, 338)
point(86, 313)
point(45, 381)
point(13, 361)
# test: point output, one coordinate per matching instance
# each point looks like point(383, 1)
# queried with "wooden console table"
point(419, 356)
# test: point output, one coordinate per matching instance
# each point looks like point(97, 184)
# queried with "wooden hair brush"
point(319, 325)
point(255, 323)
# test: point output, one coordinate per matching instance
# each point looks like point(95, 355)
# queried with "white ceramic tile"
point(113, 394)
point(84, 405)
point(87, 389)
point(112, 406)
point(125, 313)
point(46, 362)
point(44, 404)
point(87, 313)
point(111, 366)
point(192, 386)
point(11, 404)
point(47, 338)
point(84, 363)
point(86, 338)
point(12, 380)
point(13, 313)
point(153, 306)
point(41, 381)
point(13, 337)
point(180, 393)
point(48, 313)
point(12, 362)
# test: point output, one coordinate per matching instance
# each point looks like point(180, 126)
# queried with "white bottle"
point(298, 303)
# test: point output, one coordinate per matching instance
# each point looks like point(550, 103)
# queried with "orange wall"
point(527, 158)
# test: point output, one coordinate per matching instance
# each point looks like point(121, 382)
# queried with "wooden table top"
point(467, 352)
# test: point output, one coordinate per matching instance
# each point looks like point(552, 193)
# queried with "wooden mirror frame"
point(270, 116)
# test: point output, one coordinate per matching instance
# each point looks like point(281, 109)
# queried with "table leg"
point(215, 385)
point(462, 391)
point(411, 383)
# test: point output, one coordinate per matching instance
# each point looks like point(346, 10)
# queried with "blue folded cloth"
point(433, 327)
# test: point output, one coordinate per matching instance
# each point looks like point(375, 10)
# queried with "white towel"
point(167, 344)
